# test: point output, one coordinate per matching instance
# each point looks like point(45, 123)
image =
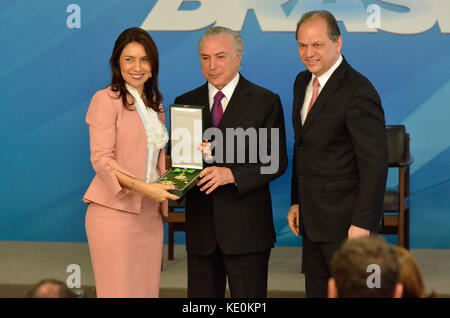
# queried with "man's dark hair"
point(333, 28)
point(350, 265)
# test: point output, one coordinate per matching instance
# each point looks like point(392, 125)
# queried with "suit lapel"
point(333, 83)
point(299, 97)
point(238, 103)
point(202, 99)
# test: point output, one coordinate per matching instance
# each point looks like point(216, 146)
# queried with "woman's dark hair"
point(151, 91)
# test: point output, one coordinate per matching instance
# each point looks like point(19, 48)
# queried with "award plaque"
point(186, 134)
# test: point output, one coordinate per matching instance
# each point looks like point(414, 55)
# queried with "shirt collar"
point(323, 79)
point(227, 90)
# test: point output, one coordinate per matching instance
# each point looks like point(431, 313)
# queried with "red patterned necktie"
point(217, 110)
point(315, 93)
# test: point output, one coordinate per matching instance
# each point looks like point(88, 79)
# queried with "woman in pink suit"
point(127, 137)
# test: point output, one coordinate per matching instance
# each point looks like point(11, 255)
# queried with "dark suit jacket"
point(238, 218)
point(340, 156)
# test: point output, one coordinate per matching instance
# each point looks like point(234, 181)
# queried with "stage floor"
point(26, 263)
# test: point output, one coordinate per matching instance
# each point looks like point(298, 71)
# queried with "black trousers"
point(316, 260)
point(246, 273)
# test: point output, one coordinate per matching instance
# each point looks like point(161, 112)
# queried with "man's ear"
point(398, 291)
point(339, 44)
point(332, 288)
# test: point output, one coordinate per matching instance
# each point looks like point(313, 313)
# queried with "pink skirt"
point(126, 250)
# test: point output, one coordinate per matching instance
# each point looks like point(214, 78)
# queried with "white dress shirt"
point(228, 91)
point(322, 81)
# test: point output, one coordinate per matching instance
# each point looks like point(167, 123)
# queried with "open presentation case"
point(186, 133)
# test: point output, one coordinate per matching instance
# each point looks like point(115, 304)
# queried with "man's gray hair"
point(218, 30)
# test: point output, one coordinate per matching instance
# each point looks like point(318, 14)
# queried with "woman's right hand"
point(159, 192)
point(205, 149)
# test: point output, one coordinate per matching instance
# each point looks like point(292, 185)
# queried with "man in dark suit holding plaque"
point(229, 223)
point(340, 151)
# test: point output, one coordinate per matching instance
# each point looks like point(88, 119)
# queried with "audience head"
point(365, 268)
point(410, 274)
point(50, 288)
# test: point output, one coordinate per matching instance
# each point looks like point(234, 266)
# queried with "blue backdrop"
point(54, 57)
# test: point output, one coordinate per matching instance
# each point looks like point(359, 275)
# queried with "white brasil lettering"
point(396, 16)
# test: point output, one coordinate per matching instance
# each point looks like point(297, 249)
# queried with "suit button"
point(301, 176)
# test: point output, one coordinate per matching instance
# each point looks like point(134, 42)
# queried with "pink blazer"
point(118, 141)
